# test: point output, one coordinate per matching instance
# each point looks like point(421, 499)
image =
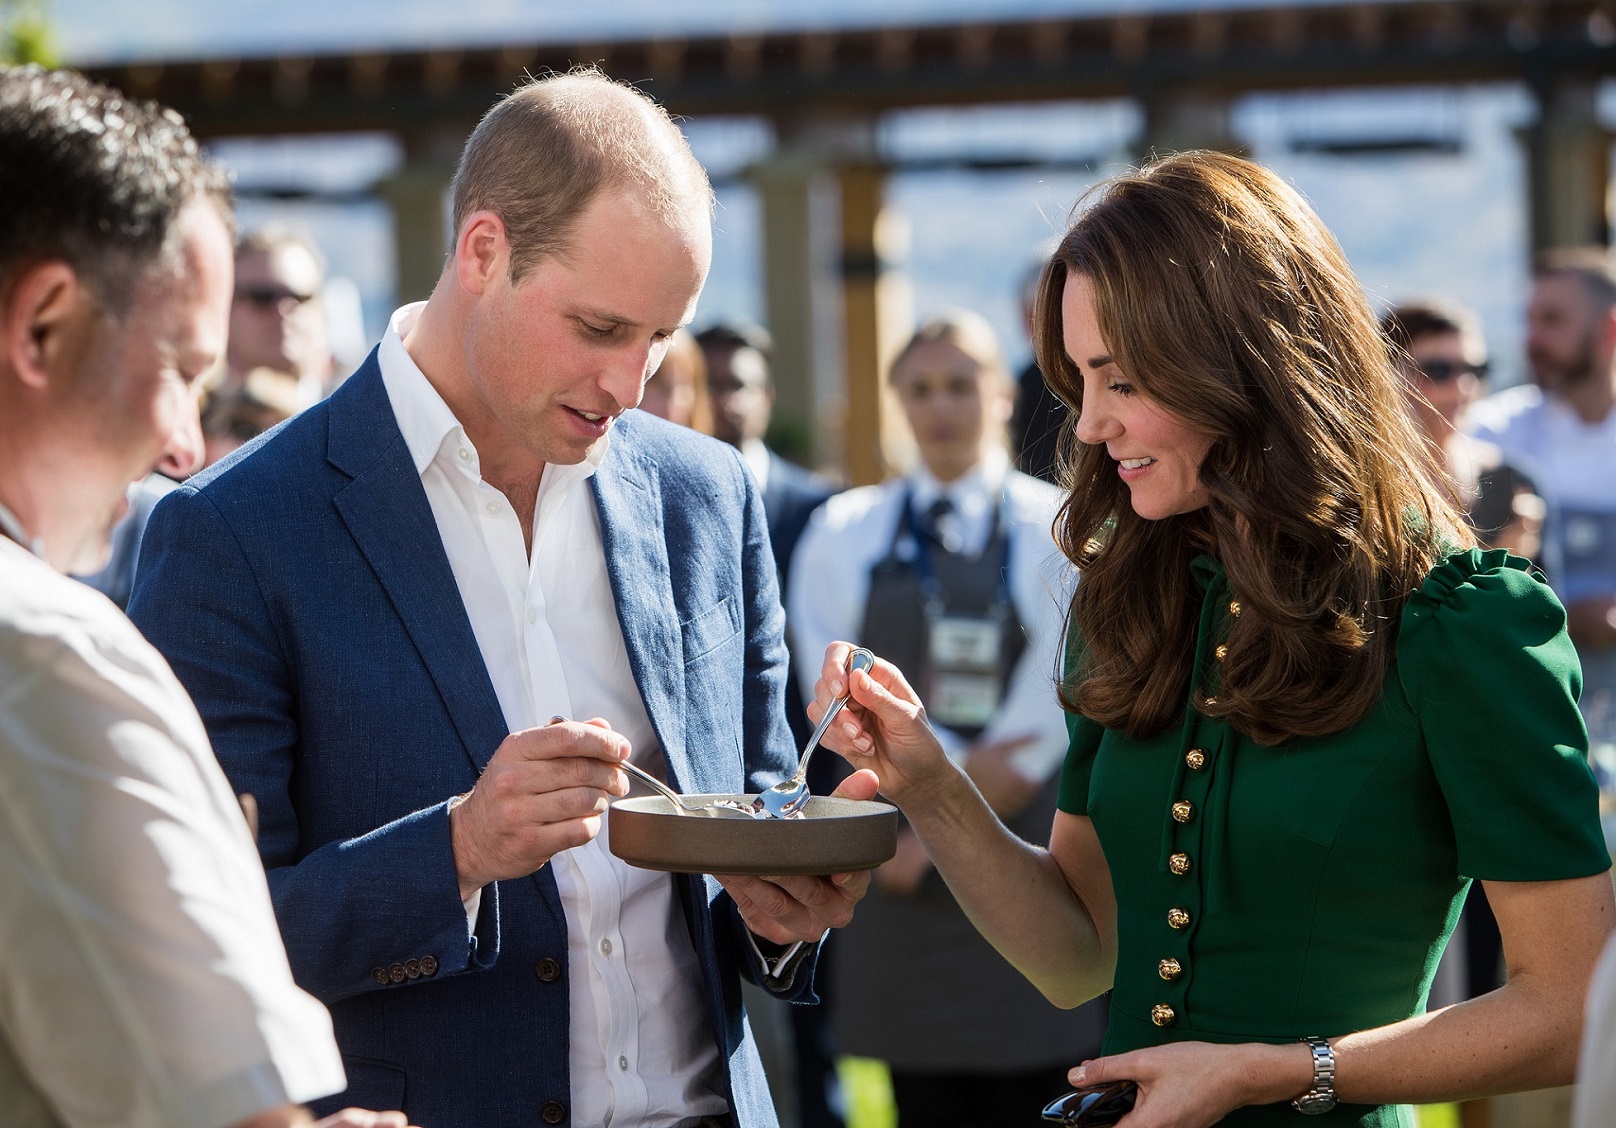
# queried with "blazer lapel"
point(387, 513)
point(629, 501)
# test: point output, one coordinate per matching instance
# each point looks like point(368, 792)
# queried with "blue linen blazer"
point(301, 592)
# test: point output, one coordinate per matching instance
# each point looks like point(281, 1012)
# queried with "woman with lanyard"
point(952, 571)
point(1305, 710)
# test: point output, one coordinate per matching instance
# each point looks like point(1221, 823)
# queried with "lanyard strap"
point(931, 588)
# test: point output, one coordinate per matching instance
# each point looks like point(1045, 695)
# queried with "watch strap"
point(1320, 1096)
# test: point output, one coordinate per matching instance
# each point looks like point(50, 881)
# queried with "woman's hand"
point(1195, 1084)
point(883, 726)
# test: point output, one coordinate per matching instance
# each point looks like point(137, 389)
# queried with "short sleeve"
point(1083, 742)
point(1493, 679)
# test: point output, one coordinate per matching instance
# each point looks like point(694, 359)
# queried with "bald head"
point(540, 156)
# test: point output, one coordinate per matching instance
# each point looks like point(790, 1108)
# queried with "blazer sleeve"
point(361, 913)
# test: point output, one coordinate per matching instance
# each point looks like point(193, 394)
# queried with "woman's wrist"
point(1281, 1072)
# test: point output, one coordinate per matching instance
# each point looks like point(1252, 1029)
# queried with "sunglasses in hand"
point(1093, 1105)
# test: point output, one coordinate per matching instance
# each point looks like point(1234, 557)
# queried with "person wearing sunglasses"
point(277, 318)
point(1305, 710)
point(1439, 350)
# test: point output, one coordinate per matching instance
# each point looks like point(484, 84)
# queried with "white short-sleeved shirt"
point(144, 982)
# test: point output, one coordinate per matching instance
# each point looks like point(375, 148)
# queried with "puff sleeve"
point(1493, 679)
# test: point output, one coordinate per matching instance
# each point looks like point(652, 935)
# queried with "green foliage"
point(25, 33)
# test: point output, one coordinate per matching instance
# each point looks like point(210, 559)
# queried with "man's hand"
point(543, 792)
point(901, 874)
point(1006, 790)
point(787, 909)
point(296, 1116)
point(1592, 621)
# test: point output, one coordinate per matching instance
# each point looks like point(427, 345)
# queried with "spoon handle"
point(655, 784)
point(860, 659)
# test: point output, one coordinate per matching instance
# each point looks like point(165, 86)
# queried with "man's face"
point(950, 401)
point(553, 360)
point(743, 398)
point(276, 320)
point(136, 384)
point(1567, 344)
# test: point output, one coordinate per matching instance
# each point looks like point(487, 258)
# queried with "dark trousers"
point(977, 1100)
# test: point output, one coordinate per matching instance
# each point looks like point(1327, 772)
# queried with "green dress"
point(1265, 894)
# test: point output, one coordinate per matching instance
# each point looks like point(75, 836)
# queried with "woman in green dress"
point(1305, 711)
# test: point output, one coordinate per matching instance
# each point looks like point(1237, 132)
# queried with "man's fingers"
point(562, 738)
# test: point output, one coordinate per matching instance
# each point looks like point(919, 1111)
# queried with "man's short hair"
point(94, 179)
point(542, 155)
point(1407, 322)
point(1591, 266)
point(737, 335)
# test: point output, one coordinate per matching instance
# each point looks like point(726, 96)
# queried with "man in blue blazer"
point(380, 606)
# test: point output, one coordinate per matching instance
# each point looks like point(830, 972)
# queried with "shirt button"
point(605, 947)
point(622, 1064)
point(492, 509)
point(532, 615)
point(1183, 811)
point(1162, 1014)
point(1179, 864)
point(1169, 969)
point(1178, 918)
point(465, 455)
point(1196, 759)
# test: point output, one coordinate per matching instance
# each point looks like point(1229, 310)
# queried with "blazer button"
point(1183, 811)
point(429, 965)
point(412, 968)
point(1169, 969)
point(1196, 759)
point(397, 973)
point(553, 1112)
point(379, 974)
point(1162, 1014)
point(547, 970)
point(1179, 864)
point(1178, 918)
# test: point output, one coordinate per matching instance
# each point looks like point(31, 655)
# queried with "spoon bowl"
point(786, 798)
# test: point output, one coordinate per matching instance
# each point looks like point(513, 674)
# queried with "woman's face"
point(950, 400)
point(1444, 381)
point(1156, 453)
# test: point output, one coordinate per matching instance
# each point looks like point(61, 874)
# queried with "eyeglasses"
point(1441, 371)
point(270, 297)
point(1093, 1105)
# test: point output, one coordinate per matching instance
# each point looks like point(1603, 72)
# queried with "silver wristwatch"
point(1320, 1098)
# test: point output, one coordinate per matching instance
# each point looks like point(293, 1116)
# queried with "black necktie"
point(940, 526)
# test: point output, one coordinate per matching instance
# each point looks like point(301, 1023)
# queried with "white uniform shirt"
point(853, 531)
point(144, 984)
point(641, 1049)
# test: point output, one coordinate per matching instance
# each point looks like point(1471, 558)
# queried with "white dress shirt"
point(144, 984)
point(641, 1051)
point(853, 531)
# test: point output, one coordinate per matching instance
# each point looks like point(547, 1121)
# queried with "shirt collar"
point(428, 425)
point(975, 491)
point(12, 527)
point(756, 455)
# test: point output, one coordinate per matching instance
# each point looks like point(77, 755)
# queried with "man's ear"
point(482, 253)
point(45, 318)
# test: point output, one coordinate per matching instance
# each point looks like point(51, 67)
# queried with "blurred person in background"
point(278, 320)
point(796, 1041)
point(1036, 421)
point(950, 571)
point(677, 390)
point(1304, 711)
point(234, 416)
point(144, 984)
point(1439, 349)
point(1561, 430)
point(1594, 1102)
point(473, 538)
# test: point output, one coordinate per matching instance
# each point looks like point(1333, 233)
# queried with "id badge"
point(965, 642)
point(961, 700)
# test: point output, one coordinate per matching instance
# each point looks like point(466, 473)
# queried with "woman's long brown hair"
point(1224, 299)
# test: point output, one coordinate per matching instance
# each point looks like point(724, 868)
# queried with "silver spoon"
point(789, 796)
point(680, 806)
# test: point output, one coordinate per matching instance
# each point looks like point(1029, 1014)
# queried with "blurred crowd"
point(950, 569)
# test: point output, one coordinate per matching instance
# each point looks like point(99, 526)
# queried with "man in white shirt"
point(380, 608)
point(144, 985)
point(1561, 431)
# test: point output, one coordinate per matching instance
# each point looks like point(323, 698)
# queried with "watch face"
point(1313, 1104)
